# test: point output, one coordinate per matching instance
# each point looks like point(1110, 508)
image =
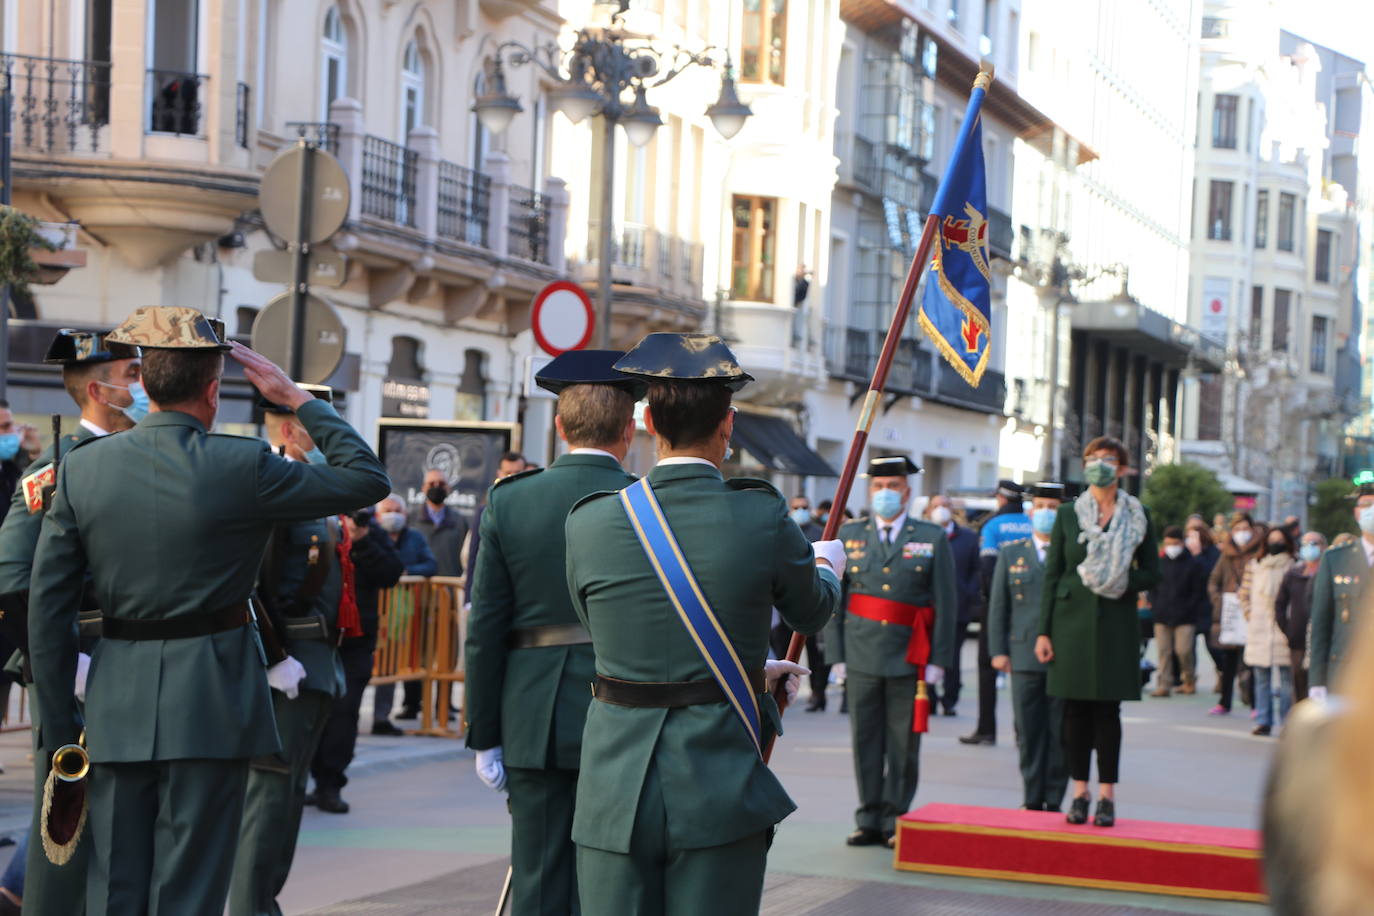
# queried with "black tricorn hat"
point(892, 466)
point(1010, 489)
point(320, 392)
point(1363, 489)
point(1046, 489)
point(75, 348)
point(587, 367)
point(666, 356)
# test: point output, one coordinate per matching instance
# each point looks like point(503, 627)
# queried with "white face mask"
point(1173, 550)
point(941, 515)
point(1241, 537)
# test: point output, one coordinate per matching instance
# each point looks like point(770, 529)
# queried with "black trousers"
point(987, 680)
point(340, 736)
point(1230, 663)
point(1093, 725)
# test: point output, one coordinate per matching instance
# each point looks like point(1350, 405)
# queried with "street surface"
point(425, 837)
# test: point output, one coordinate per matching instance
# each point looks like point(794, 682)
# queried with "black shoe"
point(310, 799)
point(890, 840)
point(331, 801)
point(865, 836)
point(844, 704)
point(817, 704)
point(1078, 810)
point(409, 712)
point(385, 727)
point(1106, 812)
point(1262, 730)
point(950, 712)
point(976, 738)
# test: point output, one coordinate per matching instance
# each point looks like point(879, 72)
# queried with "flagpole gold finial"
point(983, 80)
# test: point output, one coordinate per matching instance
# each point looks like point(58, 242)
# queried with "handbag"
point(1233, 623)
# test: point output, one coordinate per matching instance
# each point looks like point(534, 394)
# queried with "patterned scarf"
point(1108, 564)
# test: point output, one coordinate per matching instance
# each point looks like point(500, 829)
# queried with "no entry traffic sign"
point(562, 318)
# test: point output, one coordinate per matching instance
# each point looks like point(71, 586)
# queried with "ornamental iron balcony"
point(528, 225)
point(464, 204)
point(56, 105)
point(388, 183)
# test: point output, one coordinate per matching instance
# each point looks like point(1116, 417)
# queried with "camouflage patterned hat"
point(78, 348)
point(167, 327)
point(666, 356)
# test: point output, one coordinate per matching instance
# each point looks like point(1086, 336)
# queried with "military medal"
point(1345, 615)
point(313, 555)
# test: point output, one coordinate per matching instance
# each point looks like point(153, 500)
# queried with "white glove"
point(286, 676)
point(83, 667)
point(838, 672)
point(832, 552)
point(1317, 693)
point(934, 674)
point(490, 769)
point(775, 668)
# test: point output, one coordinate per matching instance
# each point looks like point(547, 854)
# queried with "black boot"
point(1078, 810)
point(331, 801)
point(1106, 812)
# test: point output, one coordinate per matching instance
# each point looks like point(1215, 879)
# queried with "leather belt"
point(311, 626)
point(185, 627)
point(558, 634)
point(665, 694)
point(90, 624)
point(921, 619)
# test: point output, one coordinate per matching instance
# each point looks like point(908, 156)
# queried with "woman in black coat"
point(1293, 606)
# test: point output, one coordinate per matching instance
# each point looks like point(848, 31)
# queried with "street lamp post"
point(594, 77)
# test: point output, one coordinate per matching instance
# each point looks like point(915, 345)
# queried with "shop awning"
point(1239, 485)
point(776, 446)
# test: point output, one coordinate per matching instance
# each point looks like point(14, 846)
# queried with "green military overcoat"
point(1014, 605)
point(1339, 590)
point(748, 556)
point(19, 533)
point(532, 702)
point(1096, 640)
point(153, 558)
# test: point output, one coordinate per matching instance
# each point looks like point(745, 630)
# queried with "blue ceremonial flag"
point(956, 305)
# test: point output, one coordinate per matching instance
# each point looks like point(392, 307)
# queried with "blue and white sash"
point(661, 547)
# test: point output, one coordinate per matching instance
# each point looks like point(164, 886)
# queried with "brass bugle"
point(70, 762)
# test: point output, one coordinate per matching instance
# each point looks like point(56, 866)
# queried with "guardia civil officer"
point(529, 660)
point(897, 628)
point(1339, 589)
point(675, 806)
point(302, 589)
point(1013, 624)
point(171, 522)
point(103, 379)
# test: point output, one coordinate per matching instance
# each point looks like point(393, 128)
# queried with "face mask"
point(391, 522)
point(886, 503)
point(1099, 473)
point(139, 408)
point(1241, 537)
point(1367, 519)
point(941, 515)
point(316, 456)
point(825, 517)
point(1173, 550)
point(9, 446)
point(437, 494)
point(1194, 543)
point(1042, 520)
point(1274, 549)
point(1310, 553)
point(801, 516)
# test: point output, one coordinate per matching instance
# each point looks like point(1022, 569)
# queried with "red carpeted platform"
point(1222, 863)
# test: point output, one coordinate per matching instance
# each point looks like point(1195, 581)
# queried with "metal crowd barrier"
point(421, 626)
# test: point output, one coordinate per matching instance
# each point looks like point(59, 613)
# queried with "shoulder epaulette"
point(521, 475)
point(920, 522)
point(591, 497)
point(751, 483)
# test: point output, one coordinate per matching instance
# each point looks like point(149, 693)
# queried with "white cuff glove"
point(838, 672)
point(774, 669)
point(934, 674)
point(832, 552)
point(83, 667)
point(490, 769)
point(1317, 693)
point(286, 676)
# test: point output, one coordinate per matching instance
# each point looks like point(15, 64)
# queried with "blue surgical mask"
point(139, 408)
point(316, 456)
point(1042, 520)
point(1367, 519)
point(1310, 553)
point(886, 503)
point(9, 446)
point(801, 516)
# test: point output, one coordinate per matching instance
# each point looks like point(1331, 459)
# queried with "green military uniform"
point(171, 523)
point(674, 804)
point(1013, 624)
point(915, 568)
point(532, 701)
point(1339, 590)
point(302, 584)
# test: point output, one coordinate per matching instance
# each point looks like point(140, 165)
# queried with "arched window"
point(334, 60)
point(412, 89)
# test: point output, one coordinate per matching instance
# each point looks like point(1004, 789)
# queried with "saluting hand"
point(268, 378)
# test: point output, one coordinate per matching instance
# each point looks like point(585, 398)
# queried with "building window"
point(1323, 265)
point(412, 89)
point(1262, 219)
point(1288, 205)
point(761, 51)
point(245, 315)
point(1224, 109)
point(1256, 318)
point(952, 14)
point(752, 259)
point(1249, 124)
point(989, 28)
point(1219, 211)
point(334, 61)
point(1279, 342)
point(1319, 324)
point(470, 401)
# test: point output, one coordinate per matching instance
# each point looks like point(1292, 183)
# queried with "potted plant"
point(33, 251)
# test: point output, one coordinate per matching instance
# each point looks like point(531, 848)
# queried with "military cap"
point(1363, 489)
point(319, 392)
point(665, 356)
point(75, 348)
point(892, 466)
point(168, 327)
point(1010, 489)
point(587, 367)
point(1046, 489)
